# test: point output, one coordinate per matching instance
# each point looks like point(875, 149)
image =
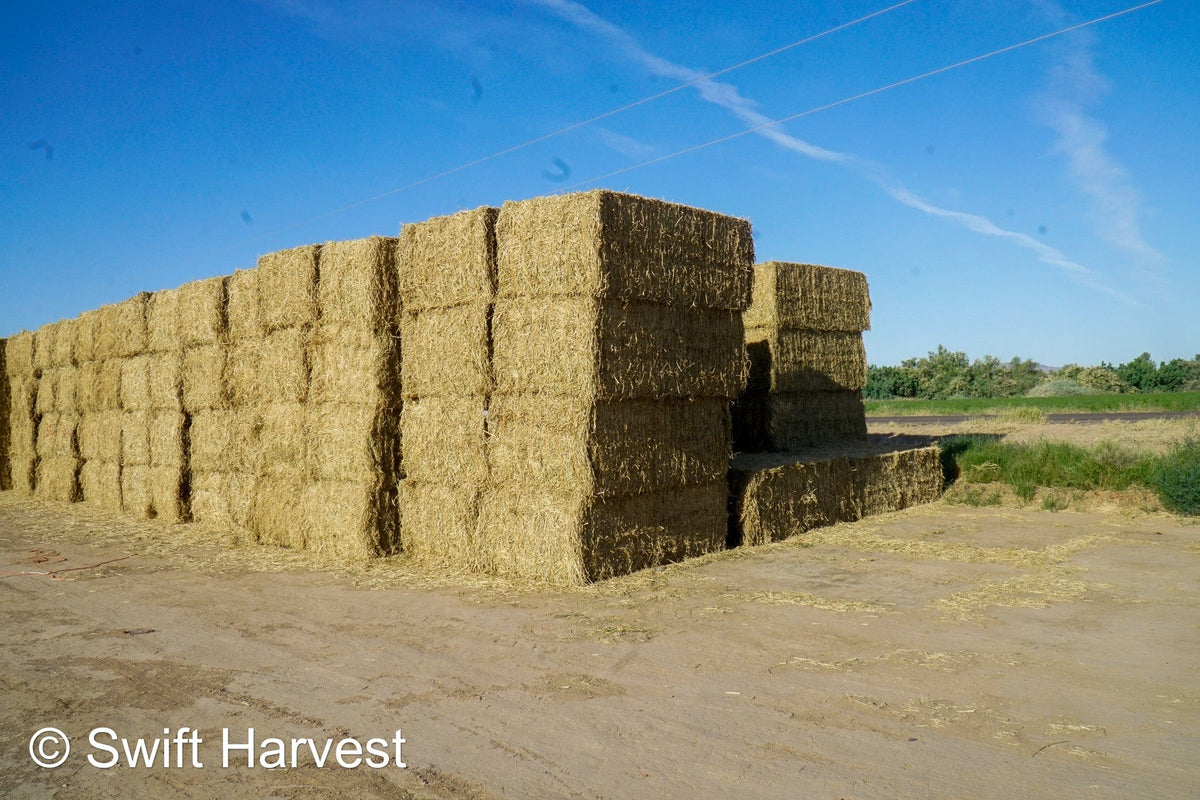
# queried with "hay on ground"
point(445, 440)
point(808, 296)
point(350, 518)
point(565, 445)
point(100, 436)
point(202, 311)
point(805, 361)
point(446, 351)
point(100, 484)
point(135, 439)
point(572, 540)
point(58, 478)
point(164, 380)
point(606, 244)
point(135, 383)
point(287, 287)
point(352, 366)
point(357, 285)
point(204, 386)
point(243, 317)
point(448, 261)
point(438, 522)
point(611, 350)
point(775, 422)
point(162, 321)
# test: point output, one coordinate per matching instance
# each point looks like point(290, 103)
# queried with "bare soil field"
point(940, 652)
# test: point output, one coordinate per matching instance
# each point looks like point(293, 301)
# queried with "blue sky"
point(1041, 202)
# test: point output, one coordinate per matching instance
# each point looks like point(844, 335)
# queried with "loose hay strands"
point(808, 296)
point(566, 445)
point(445, 440)
point(446, 351)
point(287, 287)
point(773, 422)
point(610, 350)
point(448, 261)
point(357, 285)
point(806, 361)
point(202, 313)
point(605, 244)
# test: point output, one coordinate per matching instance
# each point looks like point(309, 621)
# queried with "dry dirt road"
point(940, 652)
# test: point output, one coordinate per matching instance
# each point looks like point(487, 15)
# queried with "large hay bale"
point(349, 518)
point(357, 285)
point(566, 445)
point(787, 295)
point(100, 436)
point(445, 440)
point(66, 392)
point(162, 321)
point(243, 368)
point(446, 351)
point(243, 317)
point(47, 387)
point(153, 492)
point(108, 384)
point(83, 345)
point(353, 366)
point(100, 484)
point(775, 422)
point(57, 436)
point(204, 385)
point(64, 338)
point(135, 439)
point(277, 510)
point(222, 499)
point(805, 360)
point(5, 434)
point(135, 383)
point(439, 522)
point(287, 287)
point(225, 440)
point(122, 328)
point(87, 381)
point(448, 261)
point(282, 375)
point(282, 444)
point(168, 432)
point(19, 350)
point(605, 244)
point(892, 481)
point(202, 312)
point(164, 380)
point(351, 443)
point(573, 540)
point(774, 497)
point(43, 347)
point(611, 350)
point(58, 478)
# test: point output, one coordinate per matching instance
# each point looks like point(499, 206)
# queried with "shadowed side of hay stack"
point(447, 284)
point(617, 347)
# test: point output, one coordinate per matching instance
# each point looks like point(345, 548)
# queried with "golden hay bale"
point(611, 350)
point(287, 287)
point(283, 367)
point(445, 440)
point(204, 387)
point(571, 540)
point(282, 444)
point(66, 392)
point(446, 351)
point(565, 445)
point(22, 392)
point(277, 511)
point(5, 401)
point(19, 350)
point(162, 321)
point(83, 345)
point(64, 337)
point(223, 499)
point(57, 436)
point(893, 481)
point(242, 313)
point(135, 383)
point(23, 458)
point(243, 367)
point(135, 439)
point(349, 518)
point(87, 380)
point(167, 490)
point(100, 484)
point(805, 361)
point(605, 244)
point(352, 366)
point(819, 298)
point(357, 285)
point(448, 261)
point(350, 443)
point(225, 440)
point(44, 345)
point(47, 387)
point(438, 522)
point(768, 423)
point(164, 380)
point(121, 328)
point(137, 491)
point(168, 432)
point(774, 497)
point(108, 384)
point(100, 436)
point(58, 478)
point(202, 310)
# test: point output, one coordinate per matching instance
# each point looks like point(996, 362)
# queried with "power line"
point(860, 96)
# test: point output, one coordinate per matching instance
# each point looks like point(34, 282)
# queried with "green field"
point(1165, 401)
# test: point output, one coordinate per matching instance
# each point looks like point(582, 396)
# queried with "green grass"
point(979, 460)
point(1076, 404)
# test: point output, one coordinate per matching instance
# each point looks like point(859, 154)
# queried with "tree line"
point(947, 373)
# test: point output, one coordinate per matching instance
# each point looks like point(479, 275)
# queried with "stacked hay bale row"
point(617, 348)
point(447, 285)
point(56, 412)
point(5, 400)
point(807, 362)
point(22, 411)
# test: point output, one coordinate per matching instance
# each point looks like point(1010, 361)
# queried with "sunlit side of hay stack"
point(5, 402)
point(617, 346)
point(447, 285)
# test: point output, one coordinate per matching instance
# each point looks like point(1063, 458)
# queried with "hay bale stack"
point(5, 435)
point(777, 495)
point(617, 342)
point(446, 285)
point(807, 362)
point(22, 414)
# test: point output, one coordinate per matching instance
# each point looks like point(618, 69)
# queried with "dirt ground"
point(940, 652)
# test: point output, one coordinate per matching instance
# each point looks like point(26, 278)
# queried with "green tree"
point(885, 383)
